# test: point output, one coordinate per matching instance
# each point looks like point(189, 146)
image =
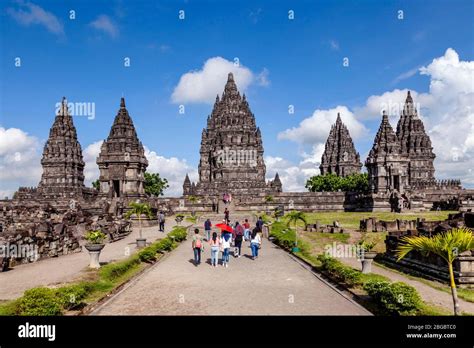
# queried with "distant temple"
point(416, 144)
point(231, 150)
point(63, 166)
point(122, 162)
point(340, 156)
point(387, 166)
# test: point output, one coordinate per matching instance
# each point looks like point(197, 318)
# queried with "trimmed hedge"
point(395, 298)
point(39, 301)
point(336, 269)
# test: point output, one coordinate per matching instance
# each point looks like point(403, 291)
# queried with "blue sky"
point(293, 62)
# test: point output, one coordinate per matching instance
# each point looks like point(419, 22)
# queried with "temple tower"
point(62, 162)
point(122, 162)
point(231, 149)
point(387, 166)
point(416, 144)
point(340, 156)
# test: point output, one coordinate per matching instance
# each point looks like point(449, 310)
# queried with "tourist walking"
point(255, 243)
point(239, 235)
point(214, 243)
point(226, 240)
point(198, 247)
point(246, 226)
point(259, 224)
point(227, 216)
point(161, 221)
point(207, 229)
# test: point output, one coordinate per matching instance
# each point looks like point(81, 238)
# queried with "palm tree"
point(447, 245)
point(138, 209)
point(268, 199)
point(193, 200)
point(294, 217)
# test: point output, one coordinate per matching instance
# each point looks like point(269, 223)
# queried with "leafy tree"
point(294, 217)
point(139, 209)
point(447, 245)
point(331, 183)
point(268, 199)
point(154, 185)
point(96, 184)
point(193, 200)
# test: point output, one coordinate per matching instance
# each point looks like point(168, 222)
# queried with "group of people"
point(229, 236)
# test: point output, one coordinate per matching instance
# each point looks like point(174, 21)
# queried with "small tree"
point(447, 245)
point(193, 200)
point(96, 184)
point(154, 185)
point(294, 217)
point(139, 209)
point(268, 199)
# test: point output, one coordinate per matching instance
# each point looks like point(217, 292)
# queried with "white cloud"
point(91, 169)
point(203, 85)
point(405, 75)
point(173, 169)
point(106, 24)
point(19, 160)
point(315, 129)
point(334, 45)
point(29, 14)
point(262, 78)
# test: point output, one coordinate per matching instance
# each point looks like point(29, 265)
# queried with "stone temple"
point(415, 144)
point(386, 164)
point(122, 162)
point(231, 151)
point(340, 156)
point(63, 166)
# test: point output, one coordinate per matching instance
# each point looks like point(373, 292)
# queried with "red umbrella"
point(224, 227)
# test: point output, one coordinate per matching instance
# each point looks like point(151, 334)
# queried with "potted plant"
point(366, 255)
point(95, 243)
point(138, 209)
point(179, 218)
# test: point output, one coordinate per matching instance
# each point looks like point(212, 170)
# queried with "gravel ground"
point(274, 284)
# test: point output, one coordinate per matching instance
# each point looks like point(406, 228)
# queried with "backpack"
point(198, 243)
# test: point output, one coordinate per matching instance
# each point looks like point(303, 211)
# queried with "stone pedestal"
point(141, 242)
point(94, 253)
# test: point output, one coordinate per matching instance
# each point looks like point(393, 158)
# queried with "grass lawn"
point(351, 220)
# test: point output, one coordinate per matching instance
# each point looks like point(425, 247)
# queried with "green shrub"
point(338, 270)
point(71, 296)
point(179, 234)
point(285, 237)
point(147, 254)
point(39, 302)
point(395, 298)
point(113, 271)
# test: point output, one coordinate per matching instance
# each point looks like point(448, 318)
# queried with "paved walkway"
point(66, 268)
point(273, 284)
point(427, 293)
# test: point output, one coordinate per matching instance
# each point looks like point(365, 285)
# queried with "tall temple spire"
point(122, 160)
point(415, 143)
point(340, 156)
point(63, 165)
point(386, 164)
point(231, 148)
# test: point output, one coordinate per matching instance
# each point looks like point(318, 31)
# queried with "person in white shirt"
point(226, 240)
point(255, 242)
